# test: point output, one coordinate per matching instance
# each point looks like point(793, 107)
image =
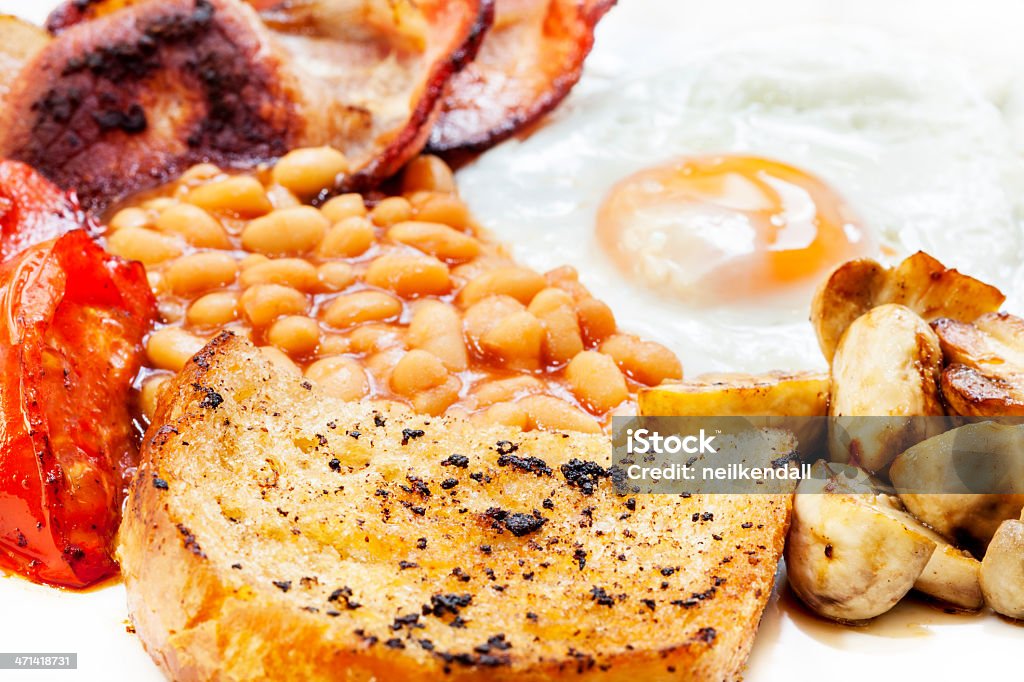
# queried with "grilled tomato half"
point(72, 322)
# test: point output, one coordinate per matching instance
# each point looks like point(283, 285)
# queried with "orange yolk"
point(726, 227)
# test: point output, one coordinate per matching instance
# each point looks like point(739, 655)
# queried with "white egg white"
point(923, 158)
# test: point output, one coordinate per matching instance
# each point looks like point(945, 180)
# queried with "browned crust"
point(414, 137)
point(255, 99)
point(199, 621)
point(131, 99)
point(490, 101)
point(978, 380)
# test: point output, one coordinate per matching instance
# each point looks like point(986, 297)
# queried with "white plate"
point(914, 640)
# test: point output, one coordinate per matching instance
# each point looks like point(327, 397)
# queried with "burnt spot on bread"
point(211, 399)
point(456, 460)
point(705, 635)
point(411, 434)
point(506, 447)
point(533, 465)
point(283, 585)
point(162, 435)
point(159, 483)
point(517, 523)
point(189, 540)
point(440, 604)
point(583, 474)
point(600, 596)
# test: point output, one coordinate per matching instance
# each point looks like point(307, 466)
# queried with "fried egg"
point(705, 202)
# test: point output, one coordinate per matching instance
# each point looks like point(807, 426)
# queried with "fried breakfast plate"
point(913, 113)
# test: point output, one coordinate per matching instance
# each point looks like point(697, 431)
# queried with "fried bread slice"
point(274, 533)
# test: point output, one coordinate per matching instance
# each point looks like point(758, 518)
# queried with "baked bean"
point(199, 173)
point(242, 195)
point(437, 207)
point(492, 391)
point(295, 334)
point(553, 414)
point(129, 217)
point(171, 347)
point(482, 316)
point(436, 239)
point(427, 173)
point(287, 232)
point(195, 225)
point(480, 265)
point(334, 344)
point(170, 311)
point(597, 322)
point(515, 341)
point(199, 272)
point(562, 339)
point(340, 377)
point(149, 397)
point(344, 206)
point(519, 283)
point(155, 280)
point(294, 272)
point(363, 306)
point(382, 363)
point(280, 360)
point(375, 338)
point(434, 401)
point(264, 303)
point(648, 362)
point(409, 276)
point(213, 310)
point(508, 414)
point(280, 197)
point(348, 238)
point(437, 328)
point(307, 172)
point(390, 211)
point(146, 246)
point(159, 204)
point(596, 381)
point(417, 371)
point(336, 276)
point(252, 260)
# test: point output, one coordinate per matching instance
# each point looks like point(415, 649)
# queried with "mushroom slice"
point(951, 574)
point(789, 394)
point(920, 282)
point(985, 376)
point(132, 93)
point(886, 365)
point(1002, 570)
point(964, 482)
point(780, 399)
point(528, 63)
point(849, 557)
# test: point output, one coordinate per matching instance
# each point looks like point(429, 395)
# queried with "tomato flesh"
point(33, 209)
point(72, 322)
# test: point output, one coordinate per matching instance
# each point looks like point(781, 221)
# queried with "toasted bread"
point(274, 533)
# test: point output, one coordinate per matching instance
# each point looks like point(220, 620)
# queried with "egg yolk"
point(726, 227)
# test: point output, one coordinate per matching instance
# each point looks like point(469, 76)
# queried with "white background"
point(914, 641)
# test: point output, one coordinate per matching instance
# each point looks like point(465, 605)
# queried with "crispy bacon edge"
point(453, 133)
point(251, 113)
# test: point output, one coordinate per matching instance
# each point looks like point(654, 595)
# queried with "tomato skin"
point(33, 209)
point(72, 322)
